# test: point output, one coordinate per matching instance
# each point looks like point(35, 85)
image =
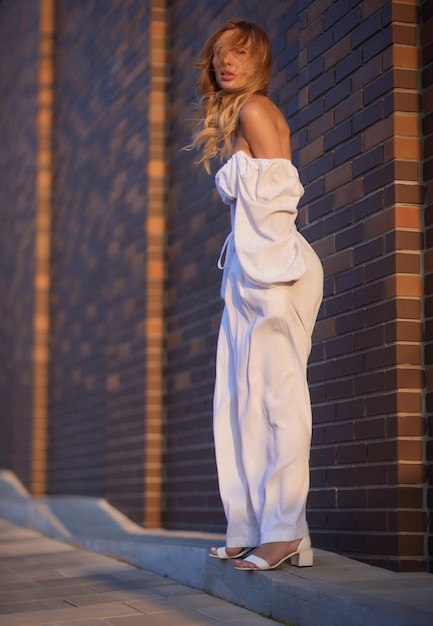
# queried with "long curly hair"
point(220, 109)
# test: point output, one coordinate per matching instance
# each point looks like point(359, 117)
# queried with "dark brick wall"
point(18, 141)
point(359, 160)
point(99, 275)
point(427, 127)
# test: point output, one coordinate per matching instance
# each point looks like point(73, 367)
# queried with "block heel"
point(302, 559)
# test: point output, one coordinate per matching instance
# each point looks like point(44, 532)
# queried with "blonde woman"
point(272, 287)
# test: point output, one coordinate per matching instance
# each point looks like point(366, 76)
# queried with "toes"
point(244, 565)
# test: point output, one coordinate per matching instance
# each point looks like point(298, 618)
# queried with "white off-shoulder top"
point(264, 196)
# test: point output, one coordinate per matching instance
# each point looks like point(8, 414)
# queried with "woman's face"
point(232, 65)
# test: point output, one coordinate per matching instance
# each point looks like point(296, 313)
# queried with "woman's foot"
point(228, 553)
point(274, 553)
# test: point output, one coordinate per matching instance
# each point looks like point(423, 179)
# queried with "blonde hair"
point(220, 109)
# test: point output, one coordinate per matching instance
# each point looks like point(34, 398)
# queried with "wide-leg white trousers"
point(262, 409)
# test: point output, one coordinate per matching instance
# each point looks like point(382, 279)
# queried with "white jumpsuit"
point(272, 286)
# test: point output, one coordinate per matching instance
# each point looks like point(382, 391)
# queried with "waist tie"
point(226, 251)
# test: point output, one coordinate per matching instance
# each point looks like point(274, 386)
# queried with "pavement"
point(78, 561)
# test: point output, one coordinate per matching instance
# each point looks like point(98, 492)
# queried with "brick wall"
point(359, 158)
point(136, 231)
point(427, 172)
point(105, 290)
point(18, 167)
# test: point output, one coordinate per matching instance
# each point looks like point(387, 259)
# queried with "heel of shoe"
point(302, 559)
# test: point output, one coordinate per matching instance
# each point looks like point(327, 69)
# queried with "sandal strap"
point(257, 561)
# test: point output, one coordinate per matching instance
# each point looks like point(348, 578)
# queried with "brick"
point(319, 166)
point(310, 33)
point(380, 268)
point(352, 321)
point(323, 499)
point(321, 85)
point(348, 193)
point(400, 330)
point(401, 148)
point(319, 45)
point(380, 177)
point(372, 520)
point(318, 127)
point(340, 304)
point(370, 250)
point(405, 13)
point(410, 426)
point(338, 94)
point(405, 79)
point(351, 408)
point(339, 345)
point(370, 205)
point(412, 545)
point(340, 476)
point(367, 117)
point(353, 453)
point(369, 160)
point(368, 28)
point(311, 152)
point(405, 34)
point(347, 151)
point(368, 73)
point(371, 475)
point(370, 383)
point(403, 240)
point(406, 124)
point(339, 432)
point(403, 101)
point(408, 521)
point(337, 53)
point(380, 544)
point(380, 497)
point(350, 279)
point(408, 354)
point(338, 262)
point(311, 112)
point(338, 135)
point(341, 519)
point(407, 171)
point(320, 207)
point(313, 70)
point(339, 220)
point(347, 66)
point(378, 88)
point(377, 44)
point(352, 498)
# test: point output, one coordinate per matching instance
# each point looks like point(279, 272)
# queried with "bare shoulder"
point(264, 128)
point(258, 106)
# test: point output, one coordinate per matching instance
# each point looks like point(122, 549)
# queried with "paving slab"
point(93, 589)
point(174, 570)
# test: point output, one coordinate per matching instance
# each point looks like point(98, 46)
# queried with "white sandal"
point(302, 557)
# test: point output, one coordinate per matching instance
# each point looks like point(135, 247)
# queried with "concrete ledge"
point(337, 590)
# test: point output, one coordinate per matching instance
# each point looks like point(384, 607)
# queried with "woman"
point(272, 286)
